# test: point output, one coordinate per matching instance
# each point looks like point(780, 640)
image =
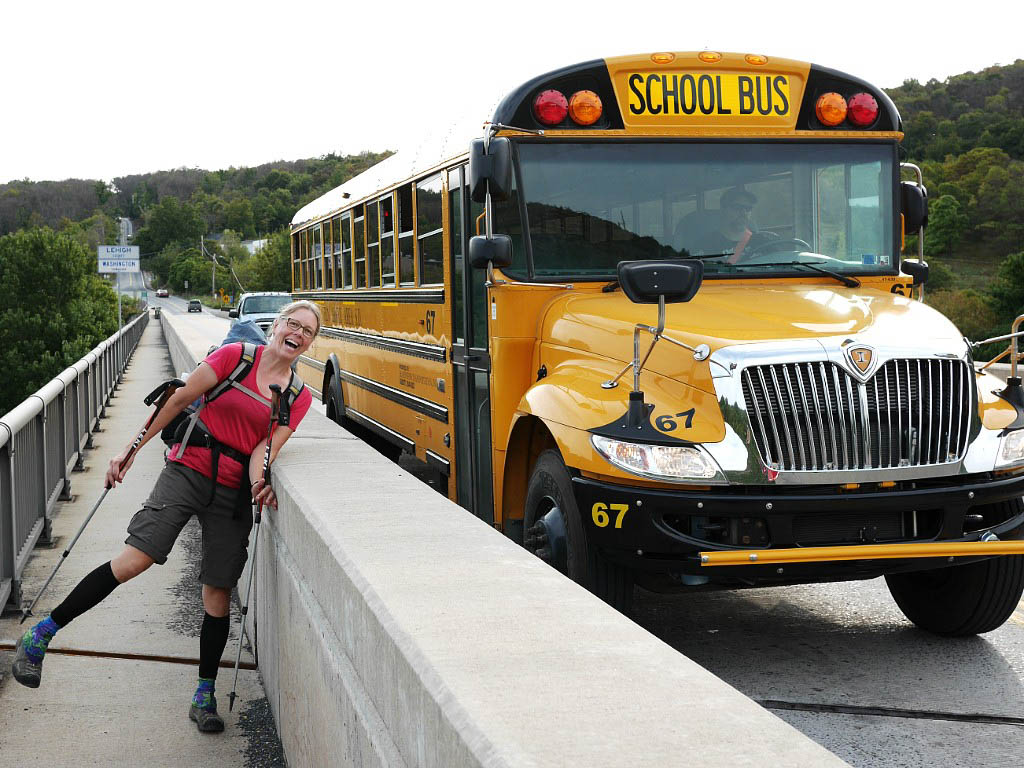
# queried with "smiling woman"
point(215, 473)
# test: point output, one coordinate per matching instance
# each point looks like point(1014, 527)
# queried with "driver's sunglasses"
point(295, 325)
point(747, 209)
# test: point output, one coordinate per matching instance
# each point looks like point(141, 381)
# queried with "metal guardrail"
point(41, 443)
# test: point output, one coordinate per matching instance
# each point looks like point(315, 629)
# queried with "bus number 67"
point(601, 517)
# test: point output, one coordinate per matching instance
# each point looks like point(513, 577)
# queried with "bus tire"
point(961, 600)
point(550, 488)
point(336, 405)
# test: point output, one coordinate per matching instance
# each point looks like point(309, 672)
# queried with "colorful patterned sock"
point(204, 694)
point(38, 638)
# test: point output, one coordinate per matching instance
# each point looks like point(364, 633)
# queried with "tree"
point(56, 308)
point(269, 269)
point(946, 226)
point(169, 222)
point(1008, 289)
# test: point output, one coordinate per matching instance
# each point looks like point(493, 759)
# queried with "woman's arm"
point(199, 381)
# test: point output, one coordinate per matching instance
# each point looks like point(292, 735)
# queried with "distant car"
point(161, 293)
point(261, 308)
point(195, 306)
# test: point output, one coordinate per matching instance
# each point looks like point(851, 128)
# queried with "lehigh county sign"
point(118, 258)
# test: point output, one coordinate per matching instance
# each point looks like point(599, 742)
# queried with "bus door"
point(471, 360)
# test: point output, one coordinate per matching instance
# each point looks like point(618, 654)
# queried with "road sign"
point(118, 258)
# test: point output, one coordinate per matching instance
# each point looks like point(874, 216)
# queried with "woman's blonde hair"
point(295, 306)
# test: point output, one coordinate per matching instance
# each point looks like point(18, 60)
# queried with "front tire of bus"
point(550, 510)
point(961, 600)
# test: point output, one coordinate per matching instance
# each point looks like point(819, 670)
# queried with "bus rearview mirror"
point(645, 282)
point(497, 250)
point(494, 166)
point(915, 207)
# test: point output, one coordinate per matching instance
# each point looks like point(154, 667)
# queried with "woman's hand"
point(115, 471)
point(263, 494)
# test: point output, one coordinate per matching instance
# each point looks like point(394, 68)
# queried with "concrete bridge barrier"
point(393, 628)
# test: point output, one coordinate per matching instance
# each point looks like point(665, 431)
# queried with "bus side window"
point(387, 241)
point(429, 231)
point(345, 276)
point(306, 237)
point(359, 241)
point(373, 245)
point(406, 274)
point(318, 253)
point(296, 256)
point(330, 234)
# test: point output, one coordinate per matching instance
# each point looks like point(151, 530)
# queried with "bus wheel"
point(961, 600)
point(554, 532)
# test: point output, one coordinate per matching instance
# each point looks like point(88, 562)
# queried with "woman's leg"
point(88, 593)
point(212, 640)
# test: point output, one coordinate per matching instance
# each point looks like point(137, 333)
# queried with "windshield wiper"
point(847, 280)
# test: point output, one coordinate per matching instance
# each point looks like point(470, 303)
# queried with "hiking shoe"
point(26, 671)
point(207, 720)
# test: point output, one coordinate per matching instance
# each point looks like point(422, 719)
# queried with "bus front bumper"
point(818, 533)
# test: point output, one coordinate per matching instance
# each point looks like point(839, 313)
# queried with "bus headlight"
point(1011, 449)
point(660, 462)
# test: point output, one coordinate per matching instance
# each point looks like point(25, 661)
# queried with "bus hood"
point(729, 314)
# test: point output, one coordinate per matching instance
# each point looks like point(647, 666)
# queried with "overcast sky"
point(108, 88)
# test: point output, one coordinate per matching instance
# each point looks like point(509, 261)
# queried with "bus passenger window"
point(406, 274)
point(387, 242)
point(429, 231)
point(334, 274)
point(359, 241)
point(372, 246)
point(296, 244)
point(317, 258)
point(305, 259)
point(346, 251)
point(328, 257)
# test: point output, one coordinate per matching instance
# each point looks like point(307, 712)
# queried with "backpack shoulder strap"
point(295, 386)
point(245, 363)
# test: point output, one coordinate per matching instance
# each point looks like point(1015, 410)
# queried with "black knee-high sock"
point(212, 639)
point(89, 592)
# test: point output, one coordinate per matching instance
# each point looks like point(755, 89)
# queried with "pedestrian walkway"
point(118, 680)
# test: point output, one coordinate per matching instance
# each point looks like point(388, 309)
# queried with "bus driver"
point(725, 231)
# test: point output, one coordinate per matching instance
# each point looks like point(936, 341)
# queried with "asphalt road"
point(840, 663)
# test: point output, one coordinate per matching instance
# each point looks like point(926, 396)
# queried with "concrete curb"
point(395, 629)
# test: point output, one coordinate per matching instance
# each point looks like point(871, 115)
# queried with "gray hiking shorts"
point(179, 493)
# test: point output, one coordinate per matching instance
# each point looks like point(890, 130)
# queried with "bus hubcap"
point(546, 538)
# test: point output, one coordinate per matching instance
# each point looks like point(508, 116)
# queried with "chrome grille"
point(814, 416)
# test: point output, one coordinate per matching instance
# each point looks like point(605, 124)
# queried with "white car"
point(261, 308)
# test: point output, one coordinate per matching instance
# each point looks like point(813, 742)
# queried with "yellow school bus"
point(651, 320)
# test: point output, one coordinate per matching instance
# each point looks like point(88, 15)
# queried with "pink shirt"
point(235, 418)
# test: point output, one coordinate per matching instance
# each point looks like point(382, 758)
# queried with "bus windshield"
point(745, 209)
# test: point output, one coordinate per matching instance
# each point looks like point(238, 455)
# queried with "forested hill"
point(976, 109)
point(249, 201)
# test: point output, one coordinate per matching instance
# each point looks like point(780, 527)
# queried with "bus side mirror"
point(494, 166)
point(916, 269)
point(646, 282)
point(497, 250)
point(914, 201)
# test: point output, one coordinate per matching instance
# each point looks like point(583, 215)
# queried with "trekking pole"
point(275, 402)
point(163, 392)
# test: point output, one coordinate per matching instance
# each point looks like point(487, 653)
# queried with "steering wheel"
point(772, 243)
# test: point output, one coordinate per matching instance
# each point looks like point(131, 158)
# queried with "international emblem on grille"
point(862, 358)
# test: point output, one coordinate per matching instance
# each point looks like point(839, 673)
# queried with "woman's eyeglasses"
point(295, 325)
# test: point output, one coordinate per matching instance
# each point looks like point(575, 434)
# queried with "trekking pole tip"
point(231, 701)
point(24, 615)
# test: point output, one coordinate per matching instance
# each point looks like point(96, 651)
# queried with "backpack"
point(187, 428)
